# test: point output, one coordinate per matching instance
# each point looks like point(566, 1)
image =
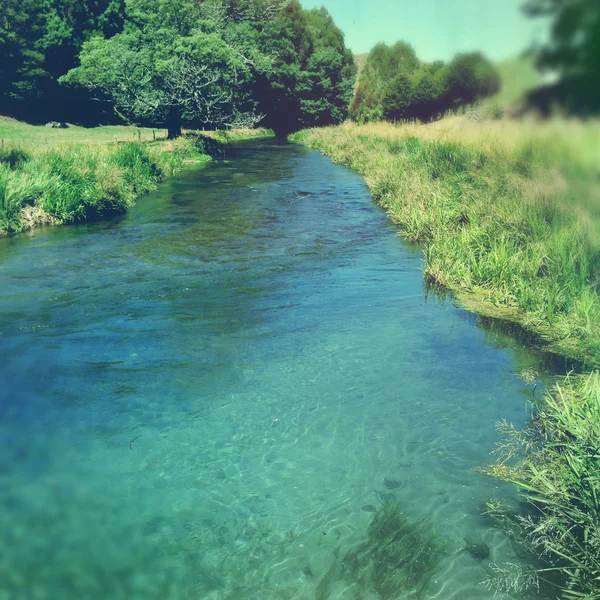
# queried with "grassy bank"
point(76, 175)
point(508, 214)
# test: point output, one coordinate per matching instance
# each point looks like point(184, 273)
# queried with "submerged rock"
point(391, 484)
point(477, 548)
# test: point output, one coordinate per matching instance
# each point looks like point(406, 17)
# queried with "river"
point(209, 396)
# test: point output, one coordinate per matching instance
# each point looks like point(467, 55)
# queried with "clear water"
point(207, 397)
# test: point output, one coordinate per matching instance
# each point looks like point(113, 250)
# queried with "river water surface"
point(209, 396)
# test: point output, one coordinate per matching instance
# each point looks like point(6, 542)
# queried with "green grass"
point(51, 176)
point(17, 132)
point(508, 213)
point(555, 463)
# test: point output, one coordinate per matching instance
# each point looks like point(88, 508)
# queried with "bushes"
point(394, 84)
point(555, 463)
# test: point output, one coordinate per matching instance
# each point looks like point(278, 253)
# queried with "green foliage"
point(39, 42)
point(312, 78)
point(555, 464)
point(383, 64)
point(159, 76)
point(572, 52)
point(395, 85)
point(9, 203)
point(214, 148)
point(213, 64)
point(573, 47)
point(397, 98)
point(470, 78)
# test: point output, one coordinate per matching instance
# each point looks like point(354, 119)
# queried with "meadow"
point(52, 176)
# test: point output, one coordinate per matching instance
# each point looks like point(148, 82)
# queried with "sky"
point(437, 29)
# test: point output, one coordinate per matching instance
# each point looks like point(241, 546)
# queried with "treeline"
point(395, 84)
point(209, 63)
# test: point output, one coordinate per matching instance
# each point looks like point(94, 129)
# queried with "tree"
point(167, 80)
point(383, 64)
point(313, 72)
point(39, 42)
point(572, 50)
point(471, 77)
point(21, 64)
point(398, 98)
point(425, 96)
point(172, 65)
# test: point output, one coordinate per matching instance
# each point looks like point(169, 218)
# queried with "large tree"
point(471, 77)
point(171, 66)
point(40, 41)
point(313, 72)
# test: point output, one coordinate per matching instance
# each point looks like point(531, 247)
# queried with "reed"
point(554, 462)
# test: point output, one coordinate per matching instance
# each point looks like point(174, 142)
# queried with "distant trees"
point(394, 84)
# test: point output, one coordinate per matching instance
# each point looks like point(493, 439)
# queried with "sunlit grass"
point(50, 176)
point(508, 211)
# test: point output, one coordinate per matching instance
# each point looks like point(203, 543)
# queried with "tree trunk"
point(174, 123)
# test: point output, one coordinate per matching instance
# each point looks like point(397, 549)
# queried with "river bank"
point(49, 177)
point(508, 214)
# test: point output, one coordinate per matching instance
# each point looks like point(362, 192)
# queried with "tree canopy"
point(573, 50)
point(214, 63)
point(395, 84)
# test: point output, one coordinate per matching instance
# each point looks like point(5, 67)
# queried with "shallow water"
point(207, 397)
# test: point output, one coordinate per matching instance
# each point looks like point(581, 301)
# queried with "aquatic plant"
point(555, 464)
point(399, 556)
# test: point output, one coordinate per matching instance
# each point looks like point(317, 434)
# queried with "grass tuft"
point(555, 463)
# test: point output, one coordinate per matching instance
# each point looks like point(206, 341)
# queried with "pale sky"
point(437, 29)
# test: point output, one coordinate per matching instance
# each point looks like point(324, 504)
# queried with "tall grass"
point(77, 181)
point(81, 181)
point(555, 463)
point(509, 214)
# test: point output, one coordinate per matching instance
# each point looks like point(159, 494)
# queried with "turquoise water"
point(209, 396)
